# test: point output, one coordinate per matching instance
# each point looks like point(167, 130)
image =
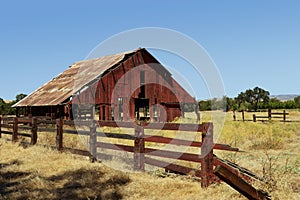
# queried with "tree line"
point(250, 100)
point(6, 107)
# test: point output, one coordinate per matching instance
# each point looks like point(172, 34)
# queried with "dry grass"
point(41, 173)
point(271, 151)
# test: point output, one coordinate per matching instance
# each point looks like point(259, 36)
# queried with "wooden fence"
point(270, 115)
point(141, 154)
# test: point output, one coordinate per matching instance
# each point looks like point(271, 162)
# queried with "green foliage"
point(251, 99)
point(6, 108)
point(297, 101)
point(21, 96)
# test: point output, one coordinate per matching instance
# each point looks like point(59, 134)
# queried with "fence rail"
point(268, 117)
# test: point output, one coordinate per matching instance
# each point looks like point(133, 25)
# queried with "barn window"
point(142, 77)
point(112, 113)
point(120, 102)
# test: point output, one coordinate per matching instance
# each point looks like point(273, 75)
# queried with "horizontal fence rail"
point(268, 117)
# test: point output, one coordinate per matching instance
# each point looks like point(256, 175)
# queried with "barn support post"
point(15, 130)
point(17, 112)
point(207, 155)
point(139, 149)
point(34, 131)
point(59, 134)
point(93, 141)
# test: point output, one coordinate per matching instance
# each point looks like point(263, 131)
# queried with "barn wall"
point(122, 81)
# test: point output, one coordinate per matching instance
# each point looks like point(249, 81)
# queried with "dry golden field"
point(271, 150)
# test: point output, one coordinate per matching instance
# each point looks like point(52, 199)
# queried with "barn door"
point(141, 109)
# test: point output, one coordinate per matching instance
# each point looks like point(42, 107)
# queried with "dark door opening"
point(141, 109)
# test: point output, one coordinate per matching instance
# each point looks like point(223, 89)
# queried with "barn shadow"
point(78, 184)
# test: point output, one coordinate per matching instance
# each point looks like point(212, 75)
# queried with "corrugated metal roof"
point(71, 81)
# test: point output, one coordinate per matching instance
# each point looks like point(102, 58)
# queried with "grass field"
point(271, 150)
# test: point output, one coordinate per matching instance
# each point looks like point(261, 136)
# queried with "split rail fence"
point(141, 154)
point(270, 115)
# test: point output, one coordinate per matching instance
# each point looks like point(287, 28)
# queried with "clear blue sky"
point(253, 43)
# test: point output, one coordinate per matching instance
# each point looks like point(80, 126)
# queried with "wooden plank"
point(239, 184)
point(173, 155)
point(173, 141)
point(207, 154)
point(116, 124)
point(43, 121)
point(217, 161)
point(116, 135)
point(176, 126)
point(172, 167)
point(7, 132)
point(24, 134)
point(24, 120)
point(278, 113)
point(24, 128)
point(263, 117)
point(34, 131)
point(74, 132)
point(15, 130)
point(93, 141)
point(236, 169)
point(40, 129)
point(59, 134)
point(7, 126)
point(117, 147)
point(225, 147)
point(139, 149)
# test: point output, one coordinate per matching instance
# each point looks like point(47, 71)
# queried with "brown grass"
point(35, 172)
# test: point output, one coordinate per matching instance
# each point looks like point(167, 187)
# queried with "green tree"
point(297, 101)
point(21, 96)
point(252, 97)
point(2, 106)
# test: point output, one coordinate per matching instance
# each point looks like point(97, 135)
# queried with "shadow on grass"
point(79, 184)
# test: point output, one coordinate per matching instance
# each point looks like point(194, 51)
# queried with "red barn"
point(127, 86)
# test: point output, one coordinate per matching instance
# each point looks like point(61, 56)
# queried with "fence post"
point(93, 141)
point(15, 130)
point(234, 116)
point(59, 134)
point(254, 118)
point(243, 115)
point(207, 155)
point(139, 149)
point(33, 131)
point(0, 126)
point(269, 114)
point(284, 115)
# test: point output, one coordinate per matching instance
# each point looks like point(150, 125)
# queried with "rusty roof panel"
point(71, 81)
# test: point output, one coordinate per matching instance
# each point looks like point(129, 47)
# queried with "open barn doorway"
point(141, 109)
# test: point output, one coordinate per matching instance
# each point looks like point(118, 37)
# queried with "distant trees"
point(297, 101)
point(251, 99)
point(6, 107)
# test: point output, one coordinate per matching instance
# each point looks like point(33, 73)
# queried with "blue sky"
point(253, 43)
